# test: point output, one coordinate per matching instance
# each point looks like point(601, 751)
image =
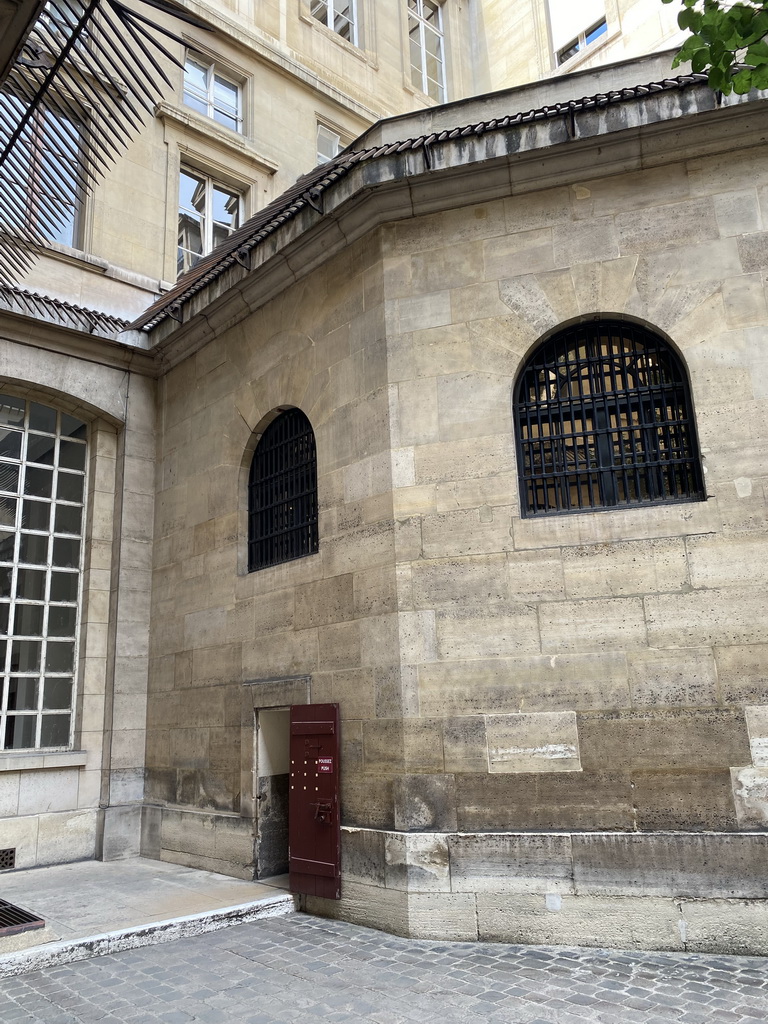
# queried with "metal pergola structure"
point(99, 65)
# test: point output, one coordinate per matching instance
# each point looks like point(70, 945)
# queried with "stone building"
point(520, 336)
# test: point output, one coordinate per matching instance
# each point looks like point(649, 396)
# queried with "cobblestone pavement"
point(299, 969)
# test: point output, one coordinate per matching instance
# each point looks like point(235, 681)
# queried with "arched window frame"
point(282, 492)
point(582, 445)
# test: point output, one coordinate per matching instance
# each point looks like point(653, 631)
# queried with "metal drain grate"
point(7, 859)
point(14, 919)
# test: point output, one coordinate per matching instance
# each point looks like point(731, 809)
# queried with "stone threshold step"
point(53, 954)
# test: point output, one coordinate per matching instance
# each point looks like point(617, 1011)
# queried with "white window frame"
point(325, 12)
point(207, 225)
point(332, 135)
point(207, 98)
point(417, 19)
point(66, 430)
point(578, 45)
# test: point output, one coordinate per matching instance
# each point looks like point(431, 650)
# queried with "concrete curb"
point(66, 951)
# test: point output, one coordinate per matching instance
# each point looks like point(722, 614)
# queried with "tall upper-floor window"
point(208, 213)
point(44, 182)
point(337, 15)
point(43, 459)
point(329, 143)
point(282, 493)
point(427, 47)
point(209, 91)
point(575, 26)
point(604, 419)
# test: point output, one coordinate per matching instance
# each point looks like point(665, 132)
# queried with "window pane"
point(57, 694)
point(9, 477)
point(59, 657)
point(72, 455)
point(11, 411)
point(7, 544)
point(6, 573)
point(66, 553)
point(22, 694)
point(42, 418)
point(69, 487)
point(38, 482)
point(7, 511)
point(35, 515)
point(28, 620)
point(72, 427)
point(68, 519)
point(5, 615)
point(41, 449)
point(10, 443)
point(61, 620)
point(64, 586)
point(19, 732)
point(30, 584)
point(54, 731)
point(25, 655)
point(33, 549)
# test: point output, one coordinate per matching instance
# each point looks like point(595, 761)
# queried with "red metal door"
point(314, 851)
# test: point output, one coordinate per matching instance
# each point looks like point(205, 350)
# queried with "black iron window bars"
point(282, 493)
point(604, 419)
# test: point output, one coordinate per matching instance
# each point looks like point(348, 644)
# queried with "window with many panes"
point(208, 91)
point(43, 459)
point(48, 155)
point(208, 213)
point(337, 15)
point(427, 49)
point(282, 493)
point(604, 419)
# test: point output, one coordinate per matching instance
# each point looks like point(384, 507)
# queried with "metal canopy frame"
point(98, 65)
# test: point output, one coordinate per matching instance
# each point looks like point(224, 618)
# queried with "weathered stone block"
point(596, 625)
point(750, 794)
point(667, 678)
point(442, 915)
point(687, 800)
point(545, 741)
point(362, 856)
point(425, 803)
point(619, 570)
point(511, 863)
point(418, 863)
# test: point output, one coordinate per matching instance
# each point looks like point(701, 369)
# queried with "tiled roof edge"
point(308, 190)
point(79, 318)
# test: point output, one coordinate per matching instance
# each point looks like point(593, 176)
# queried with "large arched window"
point(282, 493)
point(43, 460)
point(604, 419)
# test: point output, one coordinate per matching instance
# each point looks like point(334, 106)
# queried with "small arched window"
point(604, 419)
point(282, 493)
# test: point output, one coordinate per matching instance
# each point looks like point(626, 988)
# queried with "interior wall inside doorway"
point(272, 769)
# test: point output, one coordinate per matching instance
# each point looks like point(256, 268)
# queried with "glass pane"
point(10, 443)
point(28, 620)
point(596, 32)
point(57, 694)
point(30, 584)
point(6, 546)
point(61, 620)
point(5, 582)
point(71, 455)
point(5, 610)
point(227, 119)
point(59, 657)
point(196, 101)
point(19, 732)
point(69, 519)
point(7, 511)
point(9, 477)
point(191, 193)
point(72, 427)
point(38, 482)
point(69, 487)
point(11, 411)
point(22, 694)
point(54, 731)
point(25, 655)
point(36, 515)
point(64, 586)
point(195, 74)
point(225, 95)
point(33, 549)
point(66, 553)
point(226, 207)
point(41, 417)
